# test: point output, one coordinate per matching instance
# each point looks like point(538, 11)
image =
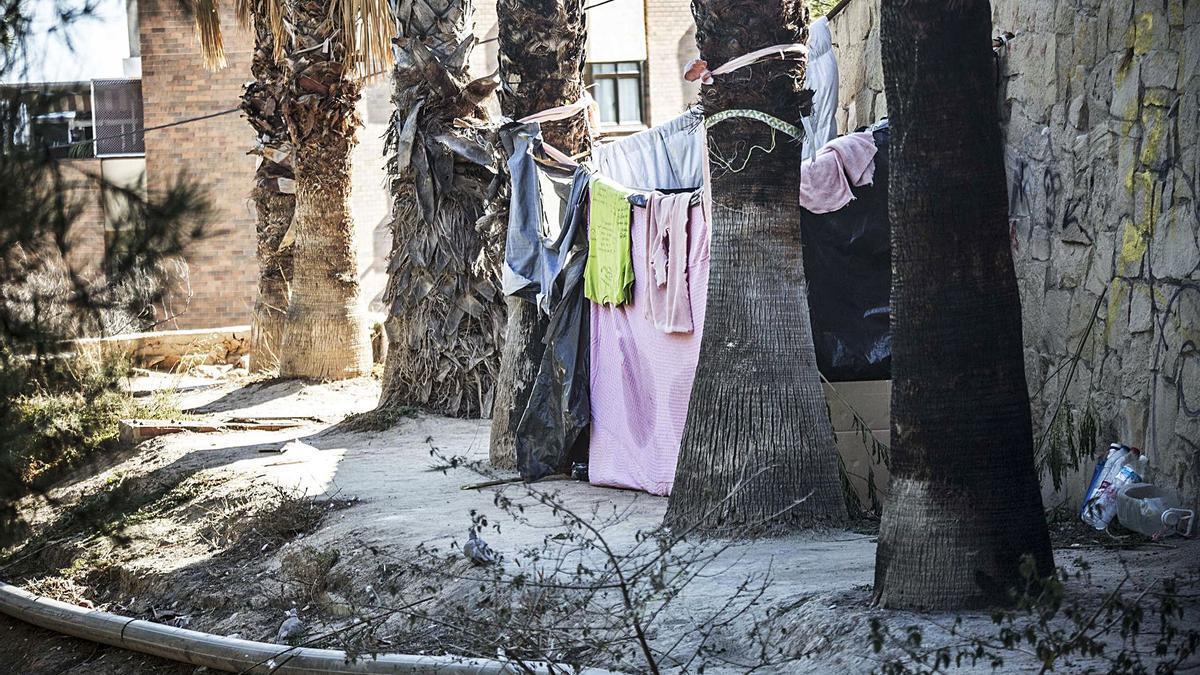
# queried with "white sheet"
point(669, 156)
point(821, 75)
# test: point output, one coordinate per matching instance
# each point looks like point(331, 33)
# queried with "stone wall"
point(855, 31)
point(1100, 102)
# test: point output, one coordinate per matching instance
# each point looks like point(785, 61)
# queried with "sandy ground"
point(399, 502)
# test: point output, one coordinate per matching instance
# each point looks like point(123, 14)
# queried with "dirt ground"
point(225, 531)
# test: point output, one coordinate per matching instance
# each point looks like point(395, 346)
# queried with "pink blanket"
point(641, 379)
point(825, 179)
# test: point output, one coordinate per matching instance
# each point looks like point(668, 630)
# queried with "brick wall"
point(370, 202)
point(670, 44)
point(86, 237)
point(221, 271)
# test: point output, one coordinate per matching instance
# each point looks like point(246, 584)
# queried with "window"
point(618, 92)
point(117, 108)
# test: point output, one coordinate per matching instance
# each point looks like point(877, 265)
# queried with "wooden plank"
point(138, 430)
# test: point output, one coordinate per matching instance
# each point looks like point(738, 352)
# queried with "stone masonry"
point(1100, 100)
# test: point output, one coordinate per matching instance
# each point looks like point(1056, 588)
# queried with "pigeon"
point(290, 628)
point(477, 550)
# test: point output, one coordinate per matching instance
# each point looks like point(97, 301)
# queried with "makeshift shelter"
point(614, 387)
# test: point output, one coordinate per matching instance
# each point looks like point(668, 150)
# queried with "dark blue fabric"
point(534, 251)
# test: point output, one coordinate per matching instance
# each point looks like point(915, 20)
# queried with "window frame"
point(616, 75)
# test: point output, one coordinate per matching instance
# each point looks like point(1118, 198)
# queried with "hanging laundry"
point(608, 276)
point(825, 179)
point(641, 378)
point(821, 75)
point(668, 302)
point(545, 253)
point(666, 157)
point(559, 408)
point(543, 197)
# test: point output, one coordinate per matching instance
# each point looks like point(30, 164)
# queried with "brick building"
point(639, 61)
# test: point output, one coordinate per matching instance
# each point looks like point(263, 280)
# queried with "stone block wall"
point(1100, 103)
point(855, 32)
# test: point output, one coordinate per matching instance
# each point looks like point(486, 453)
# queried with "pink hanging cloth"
point(641, 377)
point(669, 304)
point(825, 179)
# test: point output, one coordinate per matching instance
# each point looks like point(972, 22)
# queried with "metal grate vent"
point(117, 111)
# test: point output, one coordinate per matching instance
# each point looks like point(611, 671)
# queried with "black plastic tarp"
point(848, 262)
point(544, 263)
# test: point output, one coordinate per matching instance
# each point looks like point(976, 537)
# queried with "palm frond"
point(207, 16)
point(270, 10)
point(368, 28)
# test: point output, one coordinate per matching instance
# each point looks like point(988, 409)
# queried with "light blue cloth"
point(542, 213)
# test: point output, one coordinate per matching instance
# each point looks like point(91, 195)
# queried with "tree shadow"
point(253, 394)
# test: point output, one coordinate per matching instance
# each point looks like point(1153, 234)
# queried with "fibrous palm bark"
point(964, 506)
point(274, 190)
point(446, 319)
point(325, 333)
point(543, 45)
point(758, 452)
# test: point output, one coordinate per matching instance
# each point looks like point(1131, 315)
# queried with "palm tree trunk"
point(758, 452)
point(445, 321)
point(325, 333)
point(274, 198)
point(543, 45)
point(964, 507)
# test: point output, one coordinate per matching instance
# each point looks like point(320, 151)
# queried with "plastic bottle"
point(1130, 472)
point(1148, 509)
point(1102, 477)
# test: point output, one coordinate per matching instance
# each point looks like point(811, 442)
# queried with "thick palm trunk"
point(446, 319)
point(543, 45)
point(325, 334)
point(964, 504)
point(274, 194)
point(758, 452)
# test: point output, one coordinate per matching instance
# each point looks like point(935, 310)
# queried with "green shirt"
point(608, 276)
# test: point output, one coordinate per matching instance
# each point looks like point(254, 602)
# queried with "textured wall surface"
point(671, 43)
point(220, 274)
point(1100, 100)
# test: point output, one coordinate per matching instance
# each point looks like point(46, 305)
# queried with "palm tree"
point(446, 319)
point(274, 201)
point(274, 191)
point(964, 507)
point(758, 448)
point(543, 45)
point(333, 43)
point(329, 45)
